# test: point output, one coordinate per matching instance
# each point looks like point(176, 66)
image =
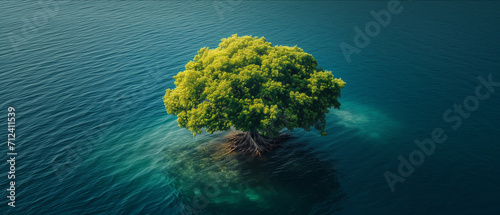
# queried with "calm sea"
point(92, 135)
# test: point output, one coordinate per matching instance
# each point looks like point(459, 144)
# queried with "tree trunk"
point(253, 142)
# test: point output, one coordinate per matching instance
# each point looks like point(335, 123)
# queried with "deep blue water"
point(93, 137)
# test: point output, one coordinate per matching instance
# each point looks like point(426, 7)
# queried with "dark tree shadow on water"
point(288, 180)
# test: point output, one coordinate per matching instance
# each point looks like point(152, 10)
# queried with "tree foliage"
point(248, 84)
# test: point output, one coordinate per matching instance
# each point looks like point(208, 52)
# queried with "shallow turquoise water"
point(94, 138)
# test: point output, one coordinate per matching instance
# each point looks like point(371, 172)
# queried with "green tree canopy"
point(248, 84)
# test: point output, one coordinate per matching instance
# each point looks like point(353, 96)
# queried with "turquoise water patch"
point(209, 178)
point(365, 121)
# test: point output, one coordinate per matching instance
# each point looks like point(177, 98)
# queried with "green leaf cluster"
point(248, 84)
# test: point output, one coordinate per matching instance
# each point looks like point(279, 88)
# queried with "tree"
point(254, 87)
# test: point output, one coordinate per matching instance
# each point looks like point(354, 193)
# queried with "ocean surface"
point(93, 137)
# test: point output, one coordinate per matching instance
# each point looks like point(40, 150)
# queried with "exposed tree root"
point(253, 142)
